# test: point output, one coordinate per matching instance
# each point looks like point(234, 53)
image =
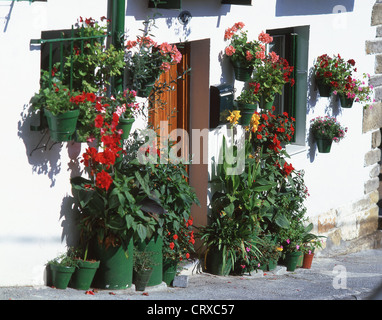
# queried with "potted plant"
point(143, 268)
point(325, 130)
point(165, 188)
point(350, 89)
point(247, 103)
point(85, 271)
point(62, 267)
point(245, 55)
point(328, 71)
point(269, 79)
point(147, 60)
point(109, 208)
point(233, 224)
point(312, 242)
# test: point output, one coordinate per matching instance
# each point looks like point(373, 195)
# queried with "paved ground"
point(353, 276)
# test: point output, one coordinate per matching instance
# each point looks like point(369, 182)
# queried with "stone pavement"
point(354, 276)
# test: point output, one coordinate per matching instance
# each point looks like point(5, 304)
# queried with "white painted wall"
point(35, 190)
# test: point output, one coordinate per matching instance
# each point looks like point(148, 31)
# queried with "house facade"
point(36, 220)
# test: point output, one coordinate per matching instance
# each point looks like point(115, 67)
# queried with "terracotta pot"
point(307, 263)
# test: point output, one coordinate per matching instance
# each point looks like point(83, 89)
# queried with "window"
point(293, 45)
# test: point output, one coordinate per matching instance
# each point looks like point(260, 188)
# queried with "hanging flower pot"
point(62, 126)
point(266, 105)
point(324, 89)
point(308, 258)
point(242, 73)
point(170, 267)
point(345, 101)
point(61, 275)
point(125, 125)
point(324, 145)
point(83, 275)
point(246, 112)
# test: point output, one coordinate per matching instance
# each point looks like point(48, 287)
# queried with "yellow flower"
point(279, 248)
point(254, 123)
point(234, 116)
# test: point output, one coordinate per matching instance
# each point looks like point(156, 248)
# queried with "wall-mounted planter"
point(166, 4)
point(239, 2)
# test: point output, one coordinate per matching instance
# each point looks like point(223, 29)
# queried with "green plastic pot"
point(300, 260)
point(154, 245)
point(141, 279)
point(324, 145)
point(125, 125)
point(242, 73)
point(214, 263)
point(170, 267)
point(325, 90)
point(246, 111)
point(61, 275)
point(345, 101)
point(116, 266)
point(83, 276)
point(263, 104)
point(62, 126)
point(291, 260)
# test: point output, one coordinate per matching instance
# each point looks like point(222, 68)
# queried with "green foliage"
point(66, 259)
point(143, 260)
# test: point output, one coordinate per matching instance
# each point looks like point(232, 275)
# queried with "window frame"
point(296, 51)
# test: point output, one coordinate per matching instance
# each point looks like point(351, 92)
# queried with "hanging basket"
point(126, 125)
point(242, 73)
point(246, 112)
point(325, 90)
point(324, 145)
point(263, 104)
point(62, 126)
point(345, 101)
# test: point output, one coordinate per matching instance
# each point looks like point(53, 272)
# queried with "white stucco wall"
point(35, 189)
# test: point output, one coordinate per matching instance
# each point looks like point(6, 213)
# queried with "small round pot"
point(242, 73)
point(82, 277)
point(291, 260)
point(61, 275)
point(141, 278)
point(170, 267)
point(263, 104)
point(62, 126)
point(324, 89)
point(345, 101)
point(246, 111)
point(308, 258)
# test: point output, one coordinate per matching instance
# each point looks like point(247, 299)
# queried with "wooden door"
point(173, 105)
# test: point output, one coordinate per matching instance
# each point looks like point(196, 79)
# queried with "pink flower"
point(165, 66)
point(288, 241)
point(297, 246)
point(248, 56)
point(265, 37)
point(229, 51)
point(274, 56)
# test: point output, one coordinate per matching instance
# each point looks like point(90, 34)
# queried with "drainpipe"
point(117, 12)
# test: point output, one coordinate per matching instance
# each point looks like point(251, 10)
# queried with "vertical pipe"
point(118, 8)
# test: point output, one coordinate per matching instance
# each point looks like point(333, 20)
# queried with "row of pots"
point(112, 268)
point(62, 127)
point(214, 262)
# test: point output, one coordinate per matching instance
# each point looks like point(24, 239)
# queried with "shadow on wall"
point(312, 7)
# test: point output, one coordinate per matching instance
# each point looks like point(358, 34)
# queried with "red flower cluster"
point(182, 241)
point(274, 129)
point(101, 161)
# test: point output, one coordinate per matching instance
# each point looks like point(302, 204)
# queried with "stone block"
point(373, 46)
point(371, 185)
point(376, 80)
point(180, 281)
point(372, 118)
point(326, 222)
point(376, 139)
point(378, 64)
point(368, 221)
point(376, 15)
point(372, 157)
point(374, 171)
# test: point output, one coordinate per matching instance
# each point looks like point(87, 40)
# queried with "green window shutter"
point(166, 4)
point(239, 2)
